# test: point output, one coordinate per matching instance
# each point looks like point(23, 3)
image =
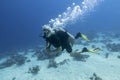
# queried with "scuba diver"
point(61, 39)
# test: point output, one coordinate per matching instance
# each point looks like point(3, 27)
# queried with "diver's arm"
point(75, 53)
point(48, 45)
point(55, 51)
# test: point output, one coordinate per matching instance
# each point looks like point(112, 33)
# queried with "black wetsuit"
point(60, 39)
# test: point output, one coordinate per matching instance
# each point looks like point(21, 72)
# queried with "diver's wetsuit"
point(60, 39)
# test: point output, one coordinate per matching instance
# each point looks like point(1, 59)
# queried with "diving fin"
point(85, 37)
point(94, 50)
point(81, 35)
point(90, 50)
point(78, 52)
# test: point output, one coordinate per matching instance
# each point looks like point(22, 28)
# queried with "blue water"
point(21, 20)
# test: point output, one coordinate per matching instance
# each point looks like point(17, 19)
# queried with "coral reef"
point(95, 77)
point(105, 41)
point(7, 53)
point(54, 64)
point(107, 55)
point(93, 46)
point(14, 78)
point(40, 54)
point(118, 56)
point(113, 47)
point(34, 70)
point(28, 60)
point(64, 62)
point(81, 57)
point(116, 35)
point(19, 59)
point(15, 59)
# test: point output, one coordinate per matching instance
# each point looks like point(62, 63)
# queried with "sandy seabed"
point(104, 65)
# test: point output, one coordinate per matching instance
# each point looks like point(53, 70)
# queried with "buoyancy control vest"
point(60, 38)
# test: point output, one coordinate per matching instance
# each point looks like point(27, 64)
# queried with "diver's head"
point(47, 31)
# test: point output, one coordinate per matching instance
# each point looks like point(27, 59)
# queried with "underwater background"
point(22, 49)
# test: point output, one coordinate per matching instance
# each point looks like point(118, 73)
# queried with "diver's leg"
point(78, 52)
point(78, 35)
point(68, 47)
point(74, 54)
